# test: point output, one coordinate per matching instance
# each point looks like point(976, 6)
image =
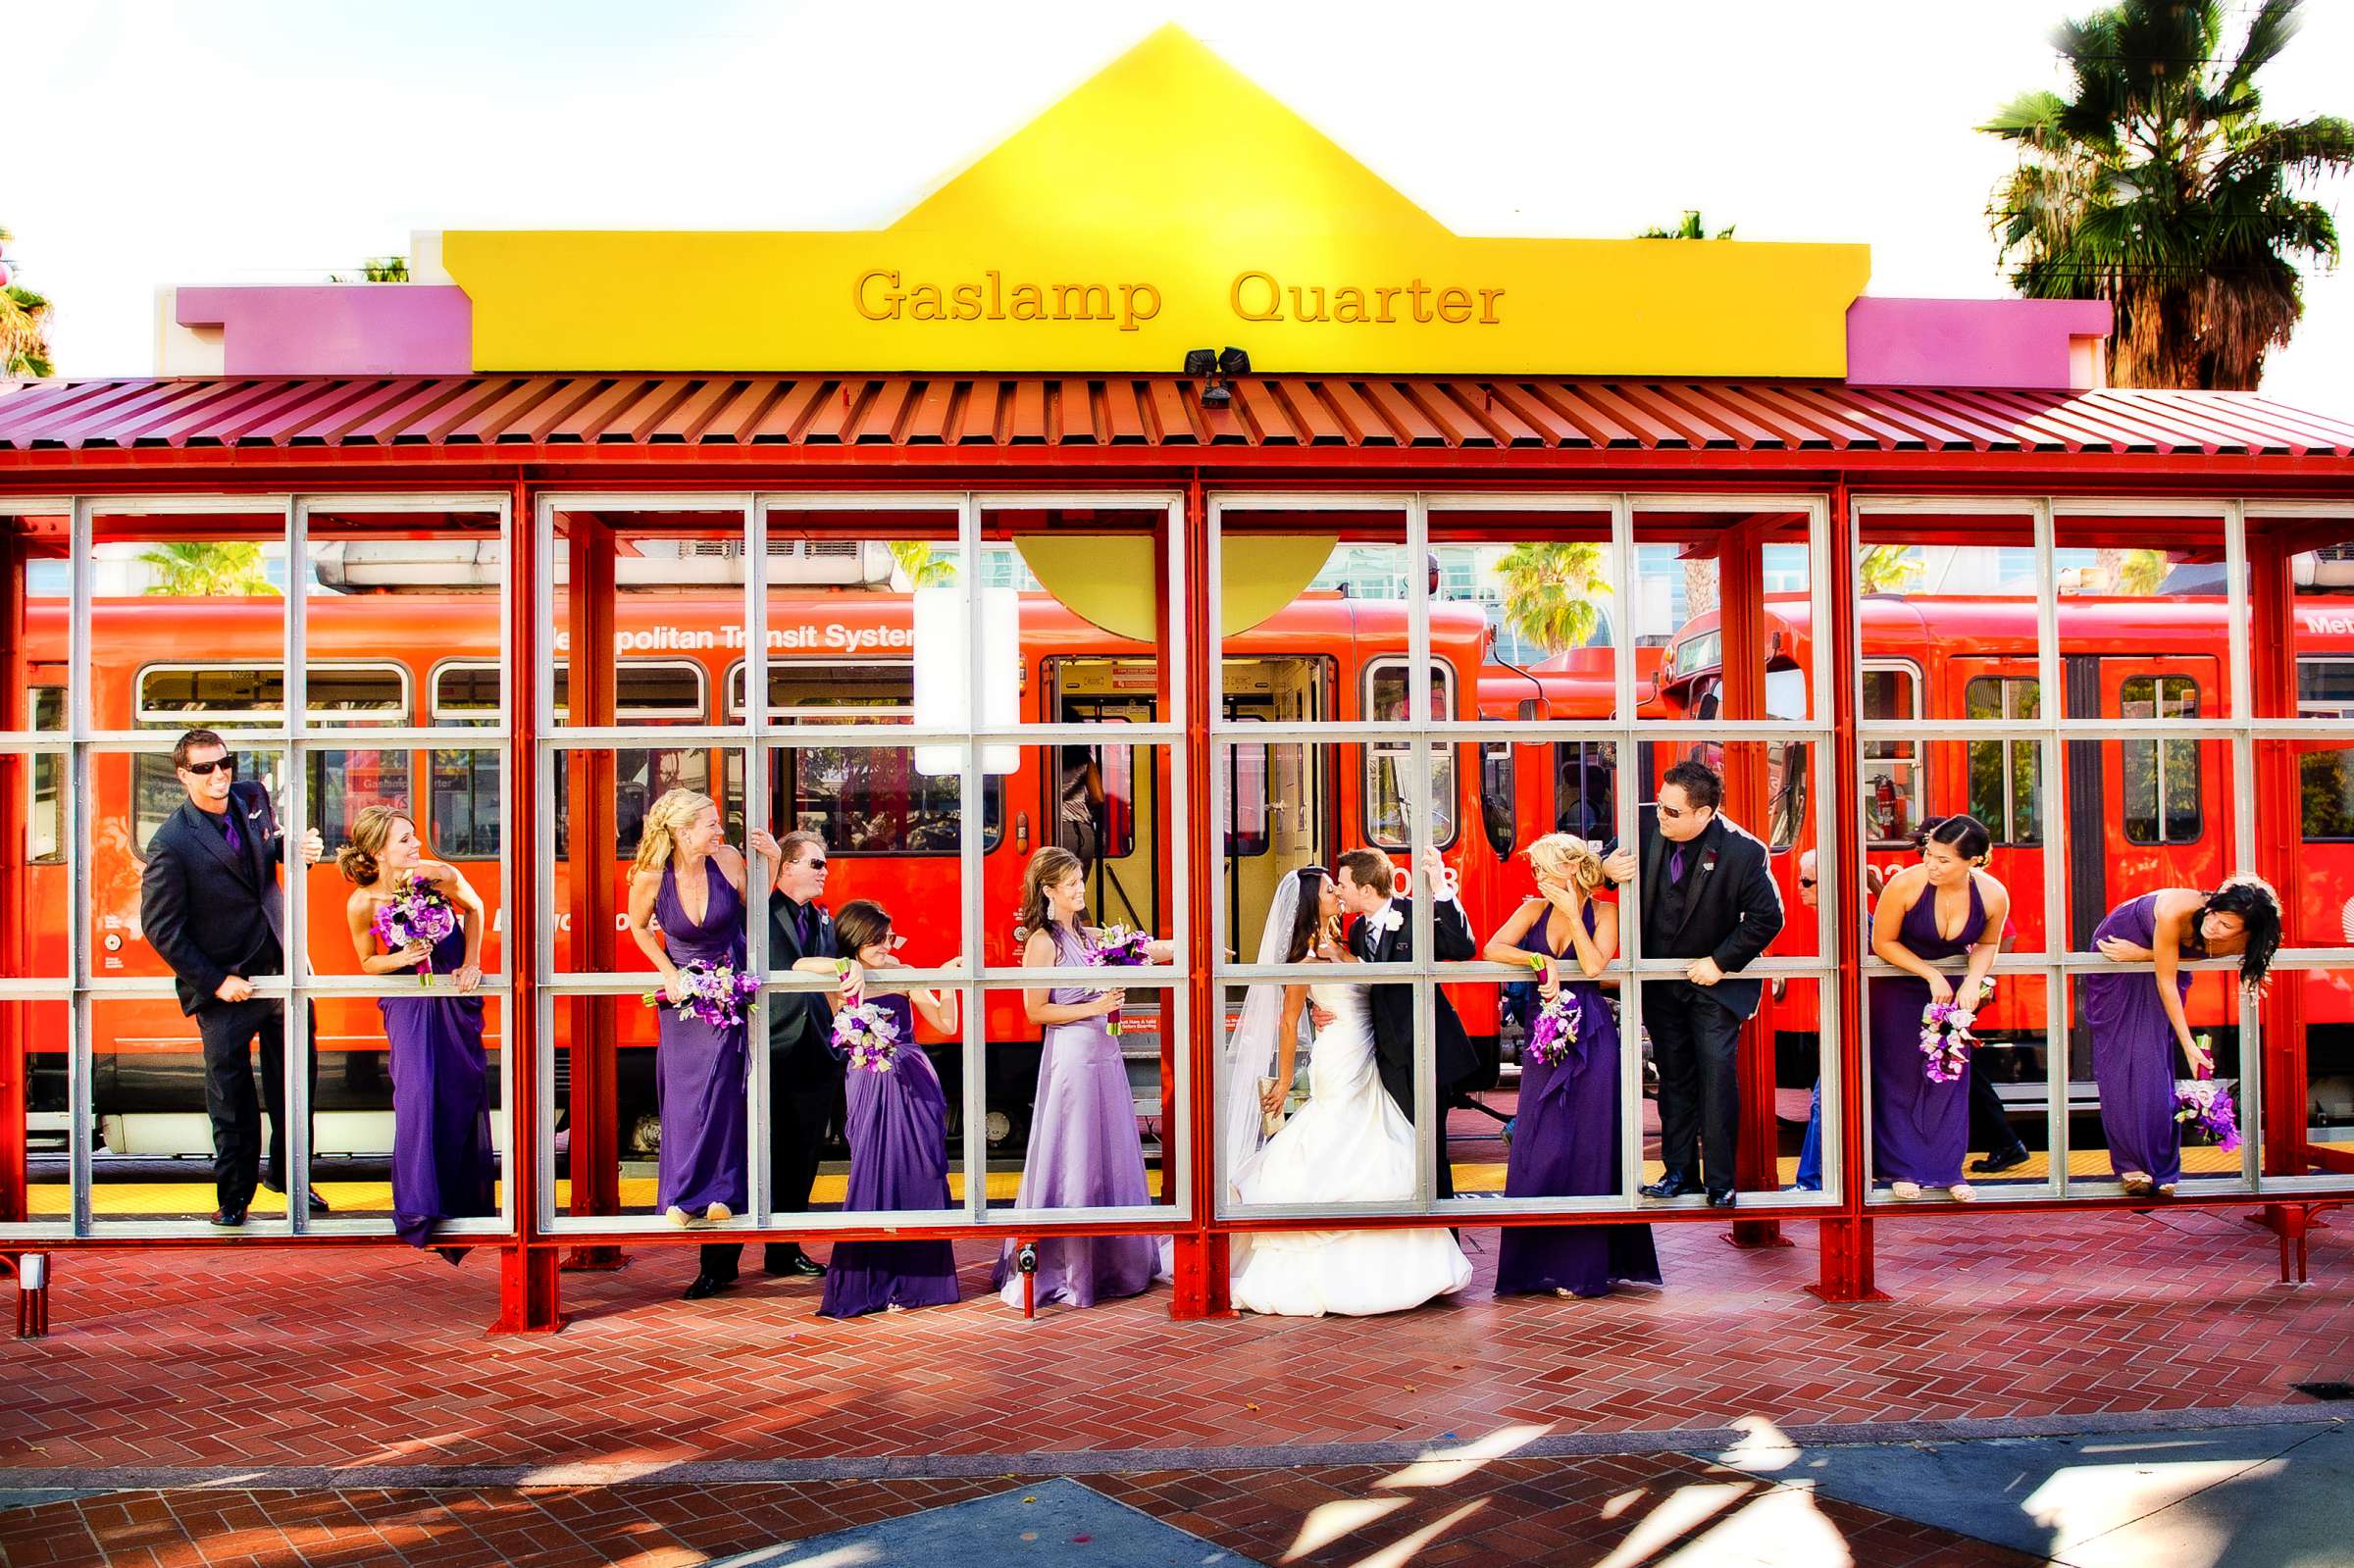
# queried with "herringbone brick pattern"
point(1562, 1513)
point(267, 1357)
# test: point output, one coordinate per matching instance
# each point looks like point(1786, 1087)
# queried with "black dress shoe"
point(1672, 1185)
point(228, 1219)
point(707, 1285)
point(801, 1263)
point(1722, 1197)
point(318, 1204)
point(1988, 1165)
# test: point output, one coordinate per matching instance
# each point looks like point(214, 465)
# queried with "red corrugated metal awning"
point(471, 412)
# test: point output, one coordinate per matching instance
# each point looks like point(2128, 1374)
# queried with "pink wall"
point(337, 328)
point(2018, 343)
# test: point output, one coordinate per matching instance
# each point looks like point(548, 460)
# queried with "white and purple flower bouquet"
point(868, 1037)
point(717, 994)
point(418, 913)
point(2204, 1105)
point(1552, 1037)
point(1946, 1041)
point(1118, 947)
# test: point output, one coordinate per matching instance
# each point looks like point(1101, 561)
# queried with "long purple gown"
point(2134, 1051)
point(1565, 1145)
point(441, 1161)
point(1084, 1153)
point(1920, 1130)
point(699, 1069)
point(898, 1135)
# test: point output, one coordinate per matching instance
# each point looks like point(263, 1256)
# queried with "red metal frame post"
point(1741, 617)
point(529, 1297)
point(1845, 1242)
point(2272, 686)
point(594, 1033)
point(1202, 1248)
point(16, 804)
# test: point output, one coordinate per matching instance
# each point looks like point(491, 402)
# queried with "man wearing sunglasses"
point(1708, 898)
point(211, 905)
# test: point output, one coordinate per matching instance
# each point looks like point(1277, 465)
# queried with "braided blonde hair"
point(663, 820)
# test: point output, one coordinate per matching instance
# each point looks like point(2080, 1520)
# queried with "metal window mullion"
point(504, 508)
point(758, 1088)
point(76, 783)
point(294, 1032)
point(2239, 643)
point(1176, 1173)
point(1629, 786)
point(1429, 1114)
point(2052, 806)
point(975, 1016)
point(542, 940)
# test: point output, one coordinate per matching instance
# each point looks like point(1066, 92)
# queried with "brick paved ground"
point(264, 1357)
point(1559, 1513)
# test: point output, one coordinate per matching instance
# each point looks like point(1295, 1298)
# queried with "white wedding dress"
point(1348, 1144)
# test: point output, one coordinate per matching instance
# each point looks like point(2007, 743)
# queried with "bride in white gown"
point(1348, 1144)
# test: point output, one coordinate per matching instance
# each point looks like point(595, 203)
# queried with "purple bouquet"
point(2204, 1105)
point(719, 995)
point(417, 913)
point(1118, 947)
point(1946, 1041)
point(867, 1037)
point(1554, 1035)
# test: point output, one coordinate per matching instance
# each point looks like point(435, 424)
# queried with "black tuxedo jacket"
point(802, 1028)
point(1392, 1007)
point(209, 913)
point(1731, 908)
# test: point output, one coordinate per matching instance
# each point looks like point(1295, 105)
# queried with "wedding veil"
point(1251, 1049)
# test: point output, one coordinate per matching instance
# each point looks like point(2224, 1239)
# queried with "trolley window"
point(865, 691)
point(1388, 763)
point(1585, 789)
point(1892, 771)
point(45, 832)
point(2161, 777)
point(1497, 791)
point(2325, 690)
point(2006, 784)
point(867, 800)
point(1247, 794)
point(227, 697)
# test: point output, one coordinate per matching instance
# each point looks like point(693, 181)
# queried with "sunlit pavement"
point(2090, 1389)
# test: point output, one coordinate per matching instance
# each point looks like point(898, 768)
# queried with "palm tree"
point(208, 570)
point(24, 327)
point(2160, 187)
point(377, 270)
point(920, 566)
point(1691, 228)
point(1550, 592)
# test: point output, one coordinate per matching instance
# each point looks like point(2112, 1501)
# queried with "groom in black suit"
point(210, 904)
point(1707, 896)
point(1384, 934)
point(804, 1076)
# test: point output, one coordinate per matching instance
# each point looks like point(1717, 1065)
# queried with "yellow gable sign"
point(1167, 204)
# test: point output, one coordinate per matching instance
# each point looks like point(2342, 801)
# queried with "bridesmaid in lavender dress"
point(898, 1134)
point(1084, 1147)
point(2136, 1022)
point(686, 902)
point(1566, 1134)
point(441, 1160)
point(1928, 913)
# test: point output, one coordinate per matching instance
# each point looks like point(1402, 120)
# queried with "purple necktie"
point(229, 830)
point(1675, 866)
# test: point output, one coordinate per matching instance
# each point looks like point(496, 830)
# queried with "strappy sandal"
point(1905, 1189)
point(2138, 1184)
point(1961, 1192)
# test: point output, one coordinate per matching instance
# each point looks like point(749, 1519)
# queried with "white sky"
point(250, 141)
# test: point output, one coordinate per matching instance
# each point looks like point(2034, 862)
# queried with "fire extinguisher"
point(1883, 798)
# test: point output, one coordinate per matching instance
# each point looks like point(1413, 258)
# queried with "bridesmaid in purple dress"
point(898, 1134)
point(2136, 1022)
point(687, 902)
point(442, 1159)
point(1566, 1134)
point(1084, 1147)
point(1930, 914)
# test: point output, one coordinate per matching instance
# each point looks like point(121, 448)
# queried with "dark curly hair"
point(2258, 907)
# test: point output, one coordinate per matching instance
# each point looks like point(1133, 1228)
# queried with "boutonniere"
point(1387, 920)
point(1707, 862)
